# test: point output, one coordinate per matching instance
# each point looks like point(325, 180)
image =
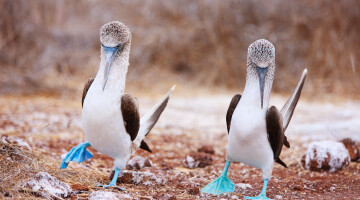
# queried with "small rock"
point(133, 177)
point(195, 160)
point(138, 162)
point(100, 195)
point(4, 193)
point(207, 149)
point(164, 196)
point(193, 191)
point(352, 148)
point(298, 188)
point(191, 187)
point(16, 141)
point(44, 183)
point(242, 186)
point(326, 155)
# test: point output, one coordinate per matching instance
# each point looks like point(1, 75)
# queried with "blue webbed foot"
point(77, 154)
point(221, 185)
point(262, 195)
point(113, 181)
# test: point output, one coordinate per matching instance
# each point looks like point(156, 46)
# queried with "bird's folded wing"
point(85, 90)
point(234, 102)
point(288, 109)
point(275, 132)
point(131, 116)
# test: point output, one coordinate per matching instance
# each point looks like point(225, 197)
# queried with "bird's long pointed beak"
point(110, 53)
point(262, 73)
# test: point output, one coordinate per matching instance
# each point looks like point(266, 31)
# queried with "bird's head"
point(261, 58)
point(115, 40)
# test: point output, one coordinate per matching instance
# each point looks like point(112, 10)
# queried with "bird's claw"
point(111, 186)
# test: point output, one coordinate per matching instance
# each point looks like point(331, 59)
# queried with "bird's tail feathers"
point(149, 120)
point(145, 146)
point(278, 160)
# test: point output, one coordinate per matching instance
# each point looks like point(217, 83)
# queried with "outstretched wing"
point(131, 116)
point(234, 102)
point(149, 120)
point(85, 90)
point(275, 132)
point(289, 107)
point(151, 117)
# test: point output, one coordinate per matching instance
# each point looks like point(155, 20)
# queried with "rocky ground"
point(45, 128)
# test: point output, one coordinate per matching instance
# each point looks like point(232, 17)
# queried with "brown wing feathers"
point(130, 113)
point(131, 116)
point(275, 132)
point(85, 90)
point(234, 102)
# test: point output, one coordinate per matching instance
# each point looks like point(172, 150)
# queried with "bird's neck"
point(251, 94)
point(117, 75)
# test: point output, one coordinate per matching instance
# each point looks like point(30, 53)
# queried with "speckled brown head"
point(115, 40)
point(114, 33)
point(261, 53)
point(261, 61)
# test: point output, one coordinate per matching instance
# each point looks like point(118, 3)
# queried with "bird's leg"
point(77, 154)
point(221, 185)
point(116, 175)
point(263, 190)
point(113, 181)
point(262, 194)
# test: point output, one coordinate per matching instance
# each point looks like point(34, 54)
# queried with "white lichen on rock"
point(46, 184)
point(326, 155)
point(197, 159)
point(107, 195)
point(190, 162)
point(136, 178)
point(242, 186)
point(138, 162)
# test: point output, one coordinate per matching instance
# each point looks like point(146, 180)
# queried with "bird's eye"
point(118, 46)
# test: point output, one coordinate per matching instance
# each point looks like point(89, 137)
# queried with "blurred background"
point(52, 47)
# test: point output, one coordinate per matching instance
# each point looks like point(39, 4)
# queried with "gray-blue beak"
point(110, 53)
point(262, 73)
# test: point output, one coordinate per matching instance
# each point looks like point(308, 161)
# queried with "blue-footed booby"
point(256, 132)
point(110, 117)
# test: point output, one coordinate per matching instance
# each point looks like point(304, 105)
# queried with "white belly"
point(103, 123)
point(248, 141)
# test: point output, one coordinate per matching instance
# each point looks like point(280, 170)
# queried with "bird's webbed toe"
point(77, 154)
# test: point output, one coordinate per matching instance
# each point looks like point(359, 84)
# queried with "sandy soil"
point(52, 127)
